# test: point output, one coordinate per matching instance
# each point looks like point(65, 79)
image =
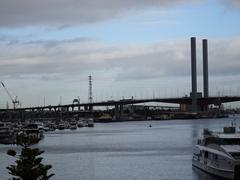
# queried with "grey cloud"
point(6, 38)
point(2, 37)
point(54, 43)
point(130, 62)
point(49, 77)
point(224, 57)
point(63, 13)
point(166, 60)
point(233, 3)
point(174, 60)
point(46, 57)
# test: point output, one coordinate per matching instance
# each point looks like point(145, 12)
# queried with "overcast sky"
point(137, 48)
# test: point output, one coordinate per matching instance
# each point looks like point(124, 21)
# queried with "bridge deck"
point(183, 100)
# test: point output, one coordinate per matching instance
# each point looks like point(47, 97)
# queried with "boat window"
point(235, 155)
point(231, 141)
point(206, 154)
point(223, 141)
point(215, 157)
point(199, 141)
point(34, 126)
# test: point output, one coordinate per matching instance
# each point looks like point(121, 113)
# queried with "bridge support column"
point(204, 107)
point(117, 113)
point(90, 107)
point(121, 111)
point(194, 74)
point(87, 108)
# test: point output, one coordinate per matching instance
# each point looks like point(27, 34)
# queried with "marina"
point(124, 150)
point(12, 133)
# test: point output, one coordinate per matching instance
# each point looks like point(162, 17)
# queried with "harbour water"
point(124, 150)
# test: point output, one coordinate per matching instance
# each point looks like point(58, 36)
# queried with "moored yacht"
point(218, 153)
point(80, 123)
point(73, 124)
point(90, 122)
point(61, 125)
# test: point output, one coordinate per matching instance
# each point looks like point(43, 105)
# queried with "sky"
point(138, 48)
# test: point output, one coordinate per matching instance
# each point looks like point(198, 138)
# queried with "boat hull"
point(90, 125)
point(222, 173)
point(73, 127)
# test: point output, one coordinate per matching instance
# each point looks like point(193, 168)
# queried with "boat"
point(105, 118)
point(49, 127)
point(80, 123)
point(61, 126)
point(73, 124)
point(6, 134)
point(40, 126)
point(34, 130)
point(90, 122)
point(218, 153)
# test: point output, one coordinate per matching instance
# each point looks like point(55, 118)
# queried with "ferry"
point(34, 130)
point(218, 153)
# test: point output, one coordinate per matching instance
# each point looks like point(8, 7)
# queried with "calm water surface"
point(126, 150)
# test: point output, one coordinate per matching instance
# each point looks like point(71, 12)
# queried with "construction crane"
point(14, 101)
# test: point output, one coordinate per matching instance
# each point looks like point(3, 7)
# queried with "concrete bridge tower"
point(194, 74)
point(205, 67)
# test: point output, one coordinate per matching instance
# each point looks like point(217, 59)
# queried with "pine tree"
point(28, 164)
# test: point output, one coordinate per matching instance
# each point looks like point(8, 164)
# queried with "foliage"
point(28, 164)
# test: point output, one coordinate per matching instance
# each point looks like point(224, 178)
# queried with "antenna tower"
point(90, 98)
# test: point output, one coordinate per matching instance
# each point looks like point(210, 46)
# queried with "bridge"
point(215, 100)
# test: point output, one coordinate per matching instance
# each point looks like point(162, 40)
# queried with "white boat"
point(61, 126)
point(40, 125)
point(218, 153)
point(49, 126)
point(90, 122)
point(80, 123)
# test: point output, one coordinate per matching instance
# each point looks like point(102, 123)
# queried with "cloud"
point(63, 13)
point(233, 3)
point(123, 62)
point(118, 70)
point(224, 57)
